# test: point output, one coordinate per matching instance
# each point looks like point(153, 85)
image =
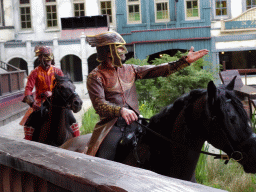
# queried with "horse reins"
point(216, 156)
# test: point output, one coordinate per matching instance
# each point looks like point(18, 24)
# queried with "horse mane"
point(168, 114)
point(62, 78)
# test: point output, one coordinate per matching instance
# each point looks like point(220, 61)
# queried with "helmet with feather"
point(44, 52)
point(108, 42)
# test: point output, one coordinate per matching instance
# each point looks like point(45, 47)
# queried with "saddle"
point(130, 138)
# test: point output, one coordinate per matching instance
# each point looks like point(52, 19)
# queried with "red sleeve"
point(30, 83)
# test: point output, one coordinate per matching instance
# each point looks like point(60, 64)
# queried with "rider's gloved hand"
point(128, 115)
point(46, 94)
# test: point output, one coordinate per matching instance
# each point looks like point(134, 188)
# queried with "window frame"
point(27, 5)
point(79, 2)
point(221, 17)
point(2, 24)
point(185, 11)
point(57, 17)
point(168, 11)
point(138, 2)
point(111, 18)
point(245, 3)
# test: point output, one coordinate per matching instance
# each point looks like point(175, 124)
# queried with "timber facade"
point(150, 28)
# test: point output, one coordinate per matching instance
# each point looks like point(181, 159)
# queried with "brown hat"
point(44, 50)
point(111, 39)
point(106, 38)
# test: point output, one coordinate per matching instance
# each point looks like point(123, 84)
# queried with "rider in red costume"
point(42, 78)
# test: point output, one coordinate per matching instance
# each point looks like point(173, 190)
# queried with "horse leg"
point(193, 178)
point(77, 144)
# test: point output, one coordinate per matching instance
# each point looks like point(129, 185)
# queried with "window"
point(79, 8)
point(221, 8)
point(250, 4)
point(192, 9)
point(162, 10)
point(134, 12)
point(51, 13)
point(106, 9)
point(25, 14)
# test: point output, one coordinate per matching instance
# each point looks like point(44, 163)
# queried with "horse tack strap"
point(217, 156)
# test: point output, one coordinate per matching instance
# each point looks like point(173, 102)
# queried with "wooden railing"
point(30, 166)
point(12, 80)
point(8, 67)
point(244, 72)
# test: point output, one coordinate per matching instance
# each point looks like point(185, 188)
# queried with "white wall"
point(236, 8)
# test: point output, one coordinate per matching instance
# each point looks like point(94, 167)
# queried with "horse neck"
point(189, 131)
point(60, 124)
point(181, 162)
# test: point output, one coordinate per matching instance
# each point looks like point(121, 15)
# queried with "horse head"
point(230, 128)
point(215, 115)
point(64, 94)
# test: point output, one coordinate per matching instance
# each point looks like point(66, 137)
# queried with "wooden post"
point(245, 78)
point(15, 180)
point(10, 82)
point(1, 88)
point(19, 80)
point(224, 65)
point(27, 182)
point(6, 171)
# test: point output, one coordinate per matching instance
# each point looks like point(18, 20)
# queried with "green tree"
point(162, 91)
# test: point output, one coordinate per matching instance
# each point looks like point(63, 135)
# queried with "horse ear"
point(56, 76)
point(68, 75)
point(212, 93)
point(231, 84)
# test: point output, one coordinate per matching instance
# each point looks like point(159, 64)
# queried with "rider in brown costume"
point(112, 90)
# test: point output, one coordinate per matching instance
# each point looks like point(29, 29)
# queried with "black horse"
point(52, 122)
point(215, 115)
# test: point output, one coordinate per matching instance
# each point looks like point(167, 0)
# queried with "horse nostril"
point(76, 103)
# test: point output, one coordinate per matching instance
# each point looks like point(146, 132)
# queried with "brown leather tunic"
point(111, 88)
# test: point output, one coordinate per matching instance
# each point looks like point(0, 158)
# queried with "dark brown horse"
point(215, 115)
point(52, 123)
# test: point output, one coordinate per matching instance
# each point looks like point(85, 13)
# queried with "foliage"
point(230, 177)
point(253, 121)
point(201, 172)
point(162, 91)
point(89, 121)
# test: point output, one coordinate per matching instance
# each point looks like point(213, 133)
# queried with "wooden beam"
point(73, 171)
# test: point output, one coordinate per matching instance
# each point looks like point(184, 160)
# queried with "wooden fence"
point(30, 166)
point(12, 80)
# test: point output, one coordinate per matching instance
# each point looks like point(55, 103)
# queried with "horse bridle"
point(236, 155)
point(70, 97)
